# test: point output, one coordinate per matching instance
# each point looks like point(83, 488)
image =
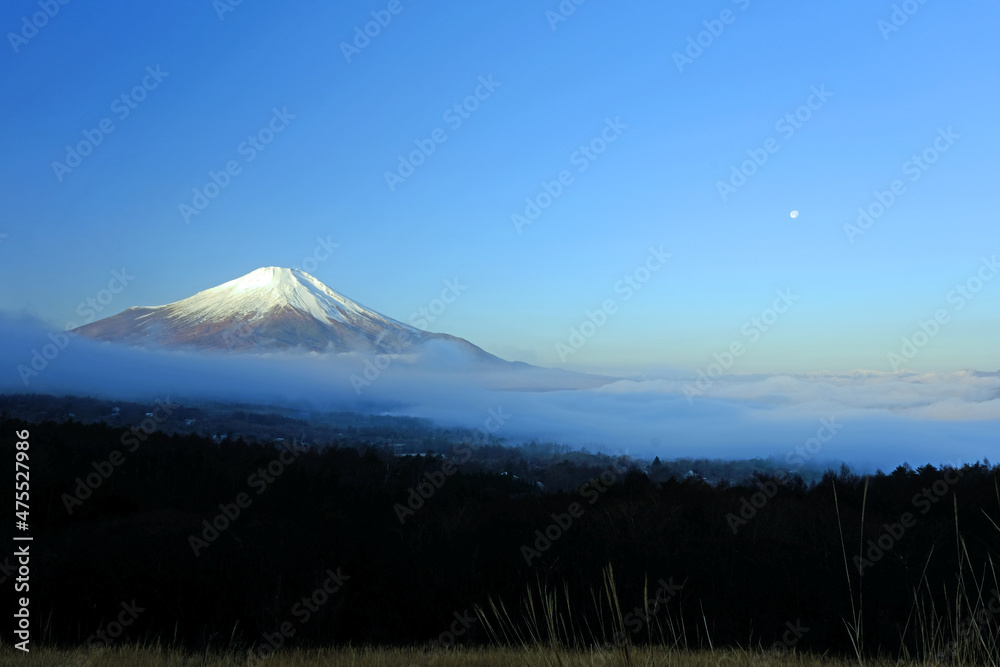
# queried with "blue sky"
point(892, 95)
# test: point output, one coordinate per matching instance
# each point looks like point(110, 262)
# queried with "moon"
point(794, 214)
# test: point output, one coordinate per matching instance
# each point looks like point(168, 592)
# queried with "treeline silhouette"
point(557, 465)
point(223, 543)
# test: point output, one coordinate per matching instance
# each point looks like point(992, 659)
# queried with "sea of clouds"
point(879, 419)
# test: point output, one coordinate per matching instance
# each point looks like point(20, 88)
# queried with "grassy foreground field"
point(417, 657)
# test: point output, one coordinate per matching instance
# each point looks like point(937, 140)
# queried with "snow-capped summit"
point(275, 309)
point(267, 309)
point(261, 293)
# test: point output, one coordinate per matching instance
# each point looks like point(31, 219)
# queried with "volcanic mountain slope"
point(274, 309)
point(268, 309)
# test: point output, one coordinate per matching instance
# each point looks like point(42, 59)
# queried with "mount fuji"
point(267, 310)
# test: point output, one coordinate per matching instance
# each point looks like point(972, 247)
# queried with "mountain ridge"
point(270, 308)
point(274, 309)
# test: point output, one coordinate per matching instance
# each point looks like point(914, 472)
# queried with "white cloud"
point(888, 418)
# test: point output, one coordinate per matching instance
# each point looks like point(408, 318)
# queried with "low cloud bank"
point(868, 419)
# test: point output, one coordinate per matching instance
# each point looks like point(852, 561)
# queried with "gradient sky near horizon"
point(893, 94)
